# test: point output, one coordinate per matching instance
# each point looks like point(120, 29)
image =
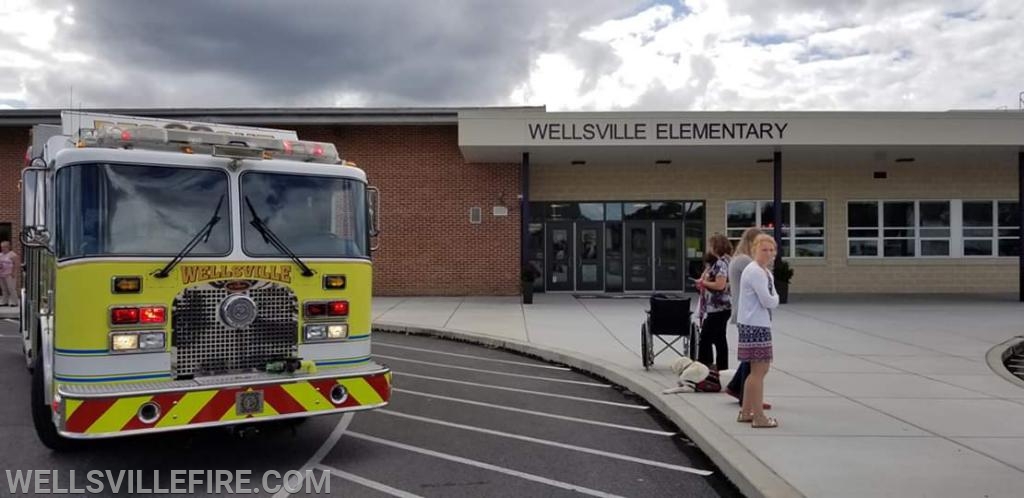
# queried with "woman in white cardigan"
point(757, 298)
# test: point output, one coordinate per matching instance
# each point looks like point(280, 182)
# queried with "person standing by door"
point(8, 264)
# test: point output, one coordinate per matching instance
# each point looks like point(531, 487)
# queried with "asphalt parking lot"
point(464, 420)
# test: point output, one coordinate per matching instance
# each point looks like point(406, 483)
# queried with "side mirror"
point(373, 213)
point(33, 208)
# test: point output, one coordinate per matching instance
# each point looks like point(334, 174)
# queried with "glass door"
point(613, 257)
point(668, 255)
point(559, 268)
point(638, 255)
point(589, 256)
point(535, 255)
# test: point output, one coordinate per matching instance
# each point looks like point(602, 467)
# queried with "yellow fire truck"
point(180, 275)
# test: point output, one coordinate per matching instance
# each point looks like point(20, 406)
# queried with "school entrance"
point(622, 246)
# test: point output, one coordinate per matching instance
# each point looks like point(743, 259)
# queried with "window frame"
point(994, 238)
point(791, 239)
point(955, 227)
point(244, 225)
point(62, 231)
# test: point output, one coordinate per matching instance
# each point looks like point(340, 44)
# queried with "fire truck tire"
point(42, 415)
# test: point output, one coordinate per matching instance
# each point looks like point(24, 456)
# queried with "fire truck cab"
point(180, 275)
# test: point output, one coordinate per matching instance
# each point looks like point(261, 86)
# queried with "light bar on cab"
point(208, 142)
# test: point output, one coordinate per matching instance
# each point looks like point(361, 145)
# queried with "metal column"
point(524, 212)
point(777, 200)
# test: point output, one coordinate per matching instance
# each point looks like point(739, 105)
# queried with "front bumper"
point(102, 411)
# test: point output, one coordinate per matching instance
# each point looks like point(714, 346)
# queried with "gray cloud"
point(238, 52)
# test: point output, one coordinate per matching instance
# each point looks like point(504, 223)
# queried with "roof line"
point(267, 115)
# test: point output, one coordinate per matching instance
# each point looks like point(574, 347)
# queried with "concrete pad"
point(939, 365)
point(990, 384)
point(858, 467)
point(857, 385)
point(422, 311)
point(848, 341)
point(814, 416)
point(956, 417)
point(1006, 450)
point(11, 312)
point(501, 316)
point(836, 363)
point(783, 384)
point(943, 342)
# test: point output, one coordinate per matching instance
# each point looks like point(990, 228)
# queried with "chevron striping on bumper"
point(186, 409)
point(110, 416)
point(118, 415)
point(361, 391)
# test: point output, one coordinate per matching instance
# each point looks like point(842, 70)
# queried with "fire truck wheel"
point(42, 415)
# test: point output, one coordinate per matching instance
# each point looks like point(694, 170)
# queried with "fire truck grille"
point(204, 345)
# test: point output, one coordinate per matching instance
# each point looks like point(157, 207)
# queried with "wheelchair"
point(668, 317)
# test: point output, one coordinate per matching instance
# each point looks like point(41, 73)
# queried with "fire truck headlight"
point(151, 340)
point(316, 332)
point(124, 342)
point(337, 331)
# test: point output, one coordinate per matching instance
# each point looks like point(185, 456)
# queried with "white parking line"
point(434, 351)
point(536, 393)
point(482, 465)
point(383, 488)
point(504, 374)
point(321, 452)
point(581, 449)
point(539, 414)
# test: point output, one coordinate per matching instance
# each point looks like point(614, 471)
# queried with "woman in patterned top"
point(714, 285)
point(757, 298)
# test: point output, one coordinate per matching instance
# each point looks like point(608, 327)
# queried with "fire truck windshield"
point(138, 210)
point(314, 216)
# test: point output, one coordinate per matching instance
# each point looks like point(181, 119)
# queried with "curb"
point(748, 473)
point(998, 354)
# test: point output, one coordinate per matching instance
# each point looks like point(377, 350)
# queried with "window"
point(899, 229)
point(141, 210)
point(805, 235)
point(314, 216)
point(5, 233)
point(990, 228)
point(591, 211)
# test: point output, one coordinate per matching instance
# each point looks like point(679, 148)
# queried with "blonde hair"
point(761, 239)
point(747, 240)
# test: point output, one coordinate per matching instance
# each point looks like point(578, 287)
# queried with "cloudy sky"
point(565, 54)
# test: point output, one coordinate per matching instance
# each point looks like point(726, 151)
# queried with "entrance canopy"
point(502, 136)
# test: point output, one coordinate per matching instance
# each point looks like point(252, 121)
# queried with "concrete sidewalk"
point(876, 396)
point(10, 312)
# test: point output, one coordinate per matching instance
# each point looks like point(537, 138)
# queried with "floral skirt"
point(755, 343)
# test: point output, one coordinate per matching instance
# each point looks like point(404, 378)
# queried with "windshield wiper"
point(204, 233)
point(271, 238)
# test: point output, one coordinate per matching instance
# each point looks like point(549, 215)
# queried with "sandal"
point(745, 418)
point(764, 422)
